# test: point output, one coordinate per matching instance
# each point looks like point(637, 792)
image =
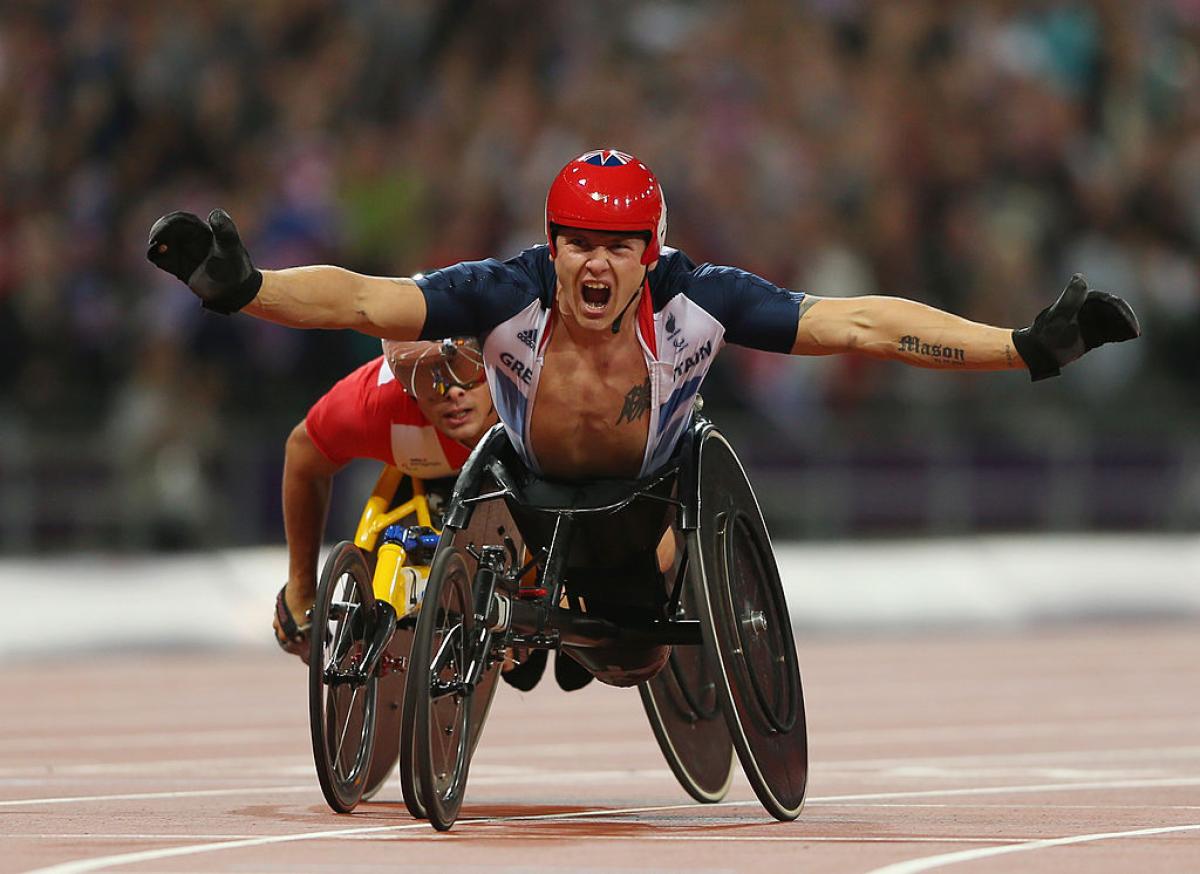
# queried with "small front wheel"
point(341, 698)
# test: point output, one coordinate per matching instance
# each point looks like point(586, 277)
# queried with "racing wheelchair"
point(577, 583)
point(363, 617)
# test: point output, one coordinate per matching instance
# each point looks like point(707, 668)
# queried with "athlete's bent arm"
point(902, 330)
point(307, 483)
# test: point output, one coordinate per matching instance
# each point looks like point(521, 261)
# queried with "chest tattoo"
point(637, 403)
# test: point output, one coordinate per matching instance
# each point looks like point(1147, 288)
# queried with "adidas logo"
point(529, 337)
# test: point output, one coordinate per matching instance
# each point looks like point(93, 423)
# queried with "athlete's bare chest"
point(591, 414)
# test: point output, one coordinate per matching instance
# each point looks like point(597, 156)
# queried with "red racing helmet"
point(607, 190)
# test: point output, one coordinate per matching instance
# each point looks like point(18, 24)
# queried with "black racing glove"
point(1080, 320)
point(208, 256)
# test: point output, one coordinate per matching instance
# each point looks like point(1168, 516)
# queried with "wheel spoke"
point(445, 650)
point(346, 628)
point(337, 755)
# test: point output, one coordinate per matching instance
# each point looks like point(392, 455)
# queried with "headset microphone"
point(616, 325)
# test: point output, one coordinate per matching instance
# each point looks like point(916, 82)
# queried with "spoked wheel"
point(341, 701)
point(747, 632)
point(684, 709)
point(440, 704)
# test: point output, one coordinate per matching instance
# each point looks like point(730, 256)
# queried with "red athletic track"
point(1066, 749)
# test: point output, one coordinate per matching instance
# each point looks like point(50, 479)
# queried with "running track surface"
point(1073, 748)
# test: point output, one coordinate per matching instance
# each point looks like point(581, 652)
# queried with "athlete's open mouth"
point(457, 417)
point(596, 295)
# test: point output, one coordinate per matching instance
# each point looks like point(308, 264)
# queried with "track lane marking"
point(498, 780)
point(548, 778)
point(282, 733)
point(1006, 730)
point(527, 836)
point(144, 796)
point(488, 770)
point(1073, 755)
point(1001, 790)
point(912, 866)
point(81, 866)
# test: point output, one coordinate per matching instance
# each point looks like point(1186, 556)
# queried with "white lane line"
point(913, 766)
point(539, 778)
point(142, 796)
point(67, 836)
point(1052, 756)
point(531, 778)
point(817, 736)
point(912, 866)
point(1004, 790)
point(164, 767)
point(530, 836)
point(143, 740)
point(81, 866)
point(1008, 805)
point(986, 730)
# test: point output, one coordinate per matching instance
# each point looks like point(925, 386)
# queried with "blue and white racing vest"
point(690, 313)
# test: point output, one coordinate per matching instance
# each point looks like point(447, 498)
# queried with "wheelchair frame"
point(462, 656)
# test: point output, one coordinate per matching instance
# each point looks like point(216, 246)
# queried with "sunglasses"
point(436, 369)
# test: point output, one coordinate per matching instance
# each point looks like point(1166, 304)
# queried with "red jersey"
point(368, 414)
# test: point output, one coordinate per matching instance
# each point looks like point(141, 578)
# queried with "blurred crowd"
point(971, 155)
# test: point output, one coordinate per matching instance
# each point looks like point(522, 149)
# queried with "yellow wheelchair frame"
point(389, 580)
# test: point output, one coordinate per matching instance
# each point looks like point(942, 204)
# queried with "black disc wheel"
point(389, 711)
point(481, 702)
point(436, 691)
point(748, 633)
point(685, 715)
point(341, 699)
point(410, 783)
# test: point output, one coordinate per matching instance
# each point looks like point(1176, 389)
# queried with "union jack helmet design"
point(608, 190)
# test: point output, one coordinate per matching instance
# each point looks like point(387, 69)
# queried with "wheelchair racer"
point(420, 407)
point(596, 342)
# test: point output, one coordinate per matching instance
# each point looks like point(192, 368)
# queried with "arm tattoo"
point(947, 354)
point(805, 304)
point(637, 403)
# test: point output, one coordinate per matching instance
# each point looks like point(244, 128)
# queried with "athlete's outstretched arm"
point(210, 258)
point(331, 297)
point(904, 330)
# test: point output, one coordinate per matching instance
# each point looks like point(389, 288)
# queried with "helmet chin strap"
point(616, 325)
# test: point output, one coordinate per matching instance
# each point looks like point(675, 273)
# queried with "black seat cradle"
point(595, 542)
